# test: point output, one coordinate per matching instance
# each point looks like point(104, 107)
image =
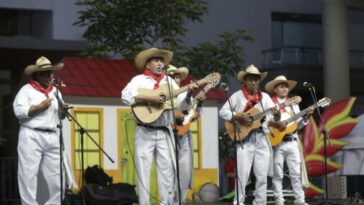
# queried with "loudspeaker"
point(355, 184)
point(115, 194)
point(337, 187)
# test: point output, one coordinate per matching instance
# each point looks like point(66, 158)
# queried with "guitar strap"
point(304, 176)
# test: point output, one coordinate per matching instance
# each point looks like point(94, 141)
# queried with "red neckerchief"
point(275, 100)
point(257, 98)
point(40, 88)
point(157, 78)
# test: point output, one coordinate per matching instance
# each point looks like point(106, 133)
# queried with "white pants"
point(38, 150)
point(151, 142)
point(290, 152)
point(185, 161)
point(255, 153)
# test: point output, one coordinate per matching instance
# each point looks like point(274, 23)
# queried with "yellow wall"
point(201, 177)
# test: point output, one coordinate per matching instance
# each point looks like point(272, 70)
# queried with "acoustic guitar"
point(256, 115)
point(277, 136)
point(185, 120)
point(148, 114)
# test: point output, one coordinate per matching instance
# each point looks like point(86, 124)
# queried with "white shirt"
point(28, 96)
point(293, 110)
point(145, 82)
point(238, 103)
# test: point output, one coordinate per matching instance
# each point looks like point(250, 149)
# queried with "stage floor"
point(311, 202)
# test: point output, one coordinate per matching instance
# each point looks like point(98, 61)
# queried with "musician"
point(185, 151)
point(289, 149)
point(38, 148)
point(156, 139)
point(255, 150)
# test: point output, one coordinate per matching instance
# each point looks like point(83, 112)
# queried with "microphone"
point(67, 107)
point(56, 82)
point(223, 86)
point(307, 85)
point(165, 67)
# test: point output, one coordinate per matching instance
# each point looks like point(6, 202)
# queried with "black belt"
point(289, 139)
point(44, 130)
point(154, 127)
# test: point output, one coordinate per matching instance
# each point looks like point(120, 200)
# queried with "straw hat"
point(42, 64)
point(182, 71)
point(250, 70)
point(269, 87)
point(142, 57)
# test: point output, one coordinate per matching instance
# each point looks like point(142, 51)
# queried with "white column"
point(335, 50)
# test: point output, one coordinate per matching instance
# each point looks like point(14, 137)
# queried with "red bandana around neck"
point(157, 78)
point(276, 101)
point(40, 88)
point(257, 98)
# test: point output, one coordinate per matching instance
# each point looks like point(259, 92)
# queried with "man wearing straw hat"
point(255, 150)
point(289, 149)
point(154, 139)
point(38, 148)
point(185, 150)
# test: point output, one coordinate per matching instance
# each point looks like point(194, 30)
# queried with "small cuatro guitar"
point(255, 115)
point(276, 136)
point(148, 114)
point(186, 120)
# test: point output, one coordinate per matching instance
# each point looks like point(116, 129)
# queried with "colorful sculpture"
point(338, 124)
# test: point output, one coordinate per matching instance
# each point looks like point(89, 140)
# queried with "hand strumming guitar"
point(277, 124)
point(243, 118)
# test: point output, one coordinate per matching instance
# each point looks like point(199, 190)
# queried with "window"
point(292, 29)
point(296, 38)
point(91, 120)
point(196, 138)
point(34, 23)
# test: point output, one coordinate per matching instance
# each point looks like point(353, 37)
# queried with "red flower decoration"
point(338, 124)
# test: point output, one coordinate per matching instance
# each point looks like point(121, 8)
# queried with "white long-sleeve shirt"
point(28, 96)
point(293, 110)
point(142, 81)
point(238, 103)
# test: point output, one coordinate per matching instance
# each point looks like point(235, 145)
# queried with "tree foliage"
point(126, 27)
point(225, 56)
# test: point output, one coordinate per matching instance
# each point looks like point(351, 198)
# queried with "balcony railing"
point(8, 181)
point(293, 55)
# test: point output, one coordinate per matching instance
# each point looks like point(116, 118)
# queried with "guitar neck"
point(298, 115)
point(265, 112)
point(202, 92)
point(185, 88)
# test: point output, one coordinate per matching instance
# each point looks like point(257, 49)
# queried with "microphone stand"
point(170, 93)
point(236, 129)
point(82, 132)
point(312, 90)
point(61, 145)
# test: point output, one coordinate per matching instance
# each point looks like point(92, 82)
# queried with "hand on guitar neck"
point(310, 111)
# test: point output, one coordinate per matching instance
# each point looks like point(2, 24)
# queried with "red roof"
point(104, 77)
